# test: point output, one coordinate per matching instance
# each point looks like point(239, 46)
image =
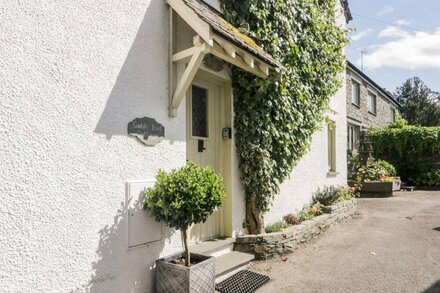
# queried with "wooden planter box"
point(377, 189)
point(397, 183)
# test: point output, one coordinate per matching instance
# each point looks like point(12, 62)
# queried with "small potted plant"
point(181, 198)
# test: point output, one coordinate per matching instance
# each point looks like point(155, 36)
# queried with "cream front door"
point(203, 143)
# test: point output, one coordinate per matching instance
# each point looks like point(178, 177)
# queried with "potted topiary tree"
point(181, 198)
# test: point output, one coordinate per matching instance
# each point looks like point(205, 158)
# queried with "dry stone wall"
point(265, 246)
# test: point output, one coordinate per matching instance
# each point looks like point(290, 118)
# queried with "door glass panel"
point(199, 112)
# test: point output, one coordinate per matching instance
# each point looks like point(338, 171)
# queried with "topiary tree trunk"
point(186, 248)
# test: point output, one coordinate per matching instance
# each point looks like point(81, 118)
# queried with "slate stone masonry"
point(265, 246)
point(360, 113)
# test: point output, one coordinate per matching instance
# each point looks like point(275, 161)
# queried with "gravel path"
point(392, 246)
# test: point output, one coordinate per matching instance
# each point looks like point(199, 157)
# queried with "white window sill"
point(332, 174)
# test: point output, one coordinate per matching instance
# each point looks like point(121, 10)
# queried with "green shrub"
point(375, 170)
point(412, 149)
point(430, 178)
point(388, 169)
point(276, 227)
point(309, 212)
point(333, 194)
point(405, 141)
point(399, 123)
point(326, 196)
point(185, 196)
point(353, 165)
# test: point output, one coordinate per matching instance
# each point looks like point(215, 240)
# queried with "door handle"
point(201, 146)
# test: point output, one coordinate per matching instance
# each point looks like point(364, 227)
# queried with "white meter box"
point(142, 227)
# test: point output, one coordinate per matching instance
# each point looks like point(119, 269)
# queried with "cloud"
point(392, 31)
point(387, 9)
point(418, 50)
point(361, 35)
point(402, 22)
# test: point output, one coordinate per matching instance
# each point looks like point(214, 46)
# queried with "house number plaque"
point(146, 130)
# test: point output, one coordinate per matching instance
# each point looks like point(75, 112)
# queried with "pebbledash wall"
point(74, 74)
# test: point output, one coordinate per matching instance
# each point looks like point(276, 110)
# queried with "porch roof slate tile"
point(222, 27)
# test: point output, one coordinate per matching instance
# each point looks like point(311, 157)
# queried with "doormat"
point(242, 282)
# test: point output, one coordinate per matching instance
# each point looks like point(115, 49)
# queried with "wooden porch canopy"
point(216, 36)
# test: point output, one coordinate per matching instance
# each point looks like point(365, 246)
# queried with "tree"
point(419, 104)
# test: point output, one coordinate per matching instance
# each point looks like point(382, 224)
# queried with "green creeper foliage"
point(275, 118)
point(412, 149)
point(406, 141)
point(430, 178)
point(185, 196)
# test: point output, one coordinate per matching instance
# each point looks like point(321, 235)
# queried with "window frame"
point(393, 114)
point(208, 101)
point(331, 147)
point(358, 84)
point(353, 135)
point(374, 96)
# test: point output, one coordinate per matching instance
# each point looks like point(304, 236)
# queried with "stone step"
point(231, 263)
point(214, 247)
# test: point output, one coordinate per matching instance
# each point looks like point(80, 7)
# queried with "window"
point(353, 133)
point(393, 115)
point(199, 112)
point(371, 103)
point(331, 130)
point(355, 93)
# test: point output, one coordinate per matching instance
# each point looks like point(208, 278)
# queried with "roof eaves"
point(383, 91)
point(222, 27)
point(347, 11)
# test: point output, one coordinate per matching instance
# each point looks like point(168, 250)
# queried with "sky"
point(400, 39)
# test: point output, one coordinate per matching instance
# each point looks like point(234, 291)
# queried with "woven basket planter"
point(198, 278)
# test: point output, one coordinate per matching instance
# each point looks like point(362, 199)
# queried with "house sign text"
point(146, 130)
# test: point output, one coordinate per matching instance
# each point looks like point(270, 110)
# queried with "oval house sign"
point(146, 130)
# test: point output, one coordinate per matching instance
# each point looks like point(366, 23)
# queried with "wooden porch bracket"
point(184, 64)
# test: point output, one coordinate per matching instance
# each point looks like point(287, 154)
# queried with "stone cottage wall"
point(360, 113)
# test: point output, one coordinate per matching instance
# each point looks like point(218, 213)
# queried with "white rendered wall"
point(311, 172)
point(73, 74)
